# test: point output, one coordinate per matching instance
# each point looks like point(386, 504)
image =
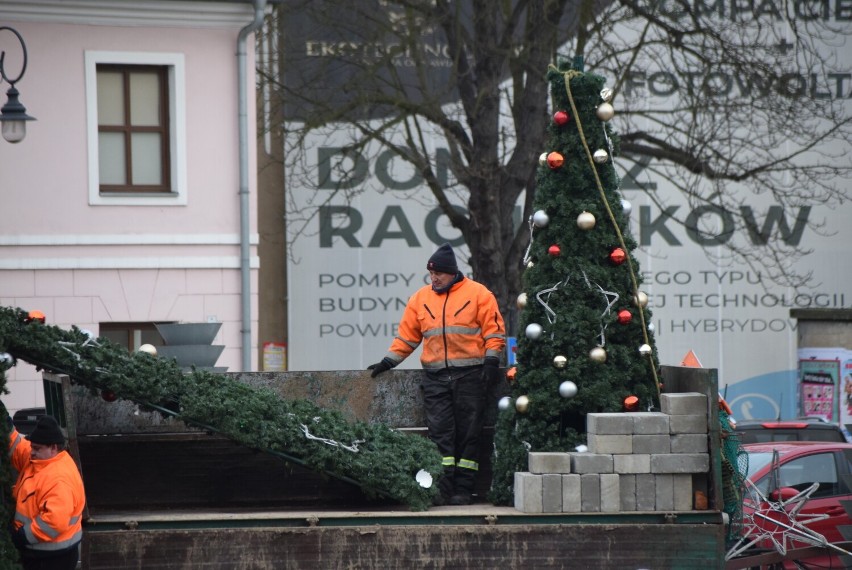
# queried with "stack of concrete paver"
point(636, 461)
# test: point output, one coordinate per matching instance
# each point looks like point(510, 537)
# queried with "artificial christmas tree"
point(585, 342)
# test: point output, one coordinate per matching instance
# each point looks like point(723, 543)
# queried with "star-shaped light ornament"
point(779, 523)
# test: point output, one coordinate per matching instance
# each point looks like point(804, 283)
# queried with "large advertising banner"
point(358, 250)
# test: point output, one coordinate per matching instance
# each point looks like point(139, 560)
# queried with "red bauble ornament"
point(631, 404)
point(108, 395)
point(625, 316)
point(554, 250)
point(555, 160)
point(617, 256)
point(37, 316)
point(561, 117)
point(511, 374)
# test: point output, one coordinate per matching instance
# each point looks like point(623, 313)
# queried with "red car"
point(800, 465)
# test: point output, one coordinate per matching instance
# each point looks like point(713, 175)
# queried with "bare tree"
point(724, 100)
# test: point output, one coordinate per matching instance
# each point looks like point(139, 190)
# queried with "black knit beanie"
point(47, 432)
point(443, 260)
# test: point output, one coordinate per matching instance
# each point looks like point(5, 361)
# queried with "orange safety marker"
point(690, 360)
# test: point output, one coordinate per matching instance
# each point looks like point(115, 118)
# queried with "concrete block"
point(687, 424)
point(609, 424)
point(583, 463)
point(680, 463)
point(688, 443)
point(633, 463)
point(551, 493)
point(663, 492)
point(650, 444)
point(684, 404)
point(528, 489)
point(610, 443)
point(590, 493)
point(650, 423)
point(610, 493)
point(627, 492)
point(571, 497)
point(646, 492)
point(549, 462)
point(682, 491)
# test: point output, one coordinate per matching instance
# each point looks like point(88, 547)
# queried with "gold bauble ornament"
point(600, 156)
point(522, 301)
point(560, 361)
point(641, 299)
point(530, 264)
point(586, 221)
point(598, 354)
point(605, 112)
point(148, 349)
point(522, 404)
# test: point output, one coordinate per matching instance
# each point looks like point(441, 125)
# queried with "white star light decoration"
point(779, 523)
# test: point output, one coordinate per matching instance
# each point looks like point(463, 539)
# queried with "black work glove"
point(19, 538)
point(379, 367)
point(491, 370)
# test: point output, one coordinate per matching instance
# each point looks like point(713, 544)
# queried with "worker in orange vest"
point(463, 335)
point(49, 499)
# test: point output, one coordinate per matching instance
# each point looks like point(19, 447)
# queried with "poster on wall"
point(818, 385)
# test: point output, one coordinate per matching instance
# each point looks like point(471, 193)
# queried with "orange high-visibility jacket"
point(457, 328)
point(49, 498)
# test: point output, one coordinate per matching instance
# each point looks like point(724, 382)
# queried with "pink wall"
point(83, 264)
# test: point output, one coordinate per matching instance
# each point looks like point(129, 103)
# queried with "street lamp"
point(13, 115)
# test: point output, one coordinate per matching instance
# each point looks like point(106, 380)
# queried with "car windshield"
point(757, 460)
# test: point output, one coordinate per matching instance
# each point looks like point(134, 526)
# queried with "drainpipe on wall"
point(245, 258)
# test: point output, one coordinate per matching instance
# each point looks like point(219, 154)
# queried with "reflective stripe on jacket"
point(457, 328)
point(49, 498)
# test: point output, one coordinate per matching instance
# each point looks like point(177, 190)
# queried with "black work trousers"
point(64, 560)
point(454, 401)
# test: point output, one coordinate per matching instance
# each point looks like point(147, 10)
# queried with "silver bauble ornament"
point(148, 349)
point(626, 207)
point(581, 448)
point(540, 219)
point(424, 478)
point(560, 361)
point(641, 299)
point(600, 156)
point(598, 354)
point(645, 349)
point(533, 331)
point(522, 301)
point(606, 94)
point(88, 333)
point(6, 358)
point(586, 221)
point(542, 159)
point(605, 112)
point(522, 404)
point(567, 389)
point(504, 403)
point(530, 264)
point(651, 327)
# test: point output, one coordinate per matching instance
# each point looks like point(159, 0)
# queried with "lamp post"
point(13, 115)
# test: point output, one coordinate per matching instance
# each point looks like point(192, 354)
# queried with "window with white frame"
point(136, 117)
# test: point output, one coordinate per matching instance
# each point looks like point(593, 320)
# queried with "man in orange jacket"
point(49, 499)
point(460, 326)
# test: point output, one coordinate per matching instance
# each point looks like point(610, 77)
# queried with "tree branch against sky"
point(722, 101)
